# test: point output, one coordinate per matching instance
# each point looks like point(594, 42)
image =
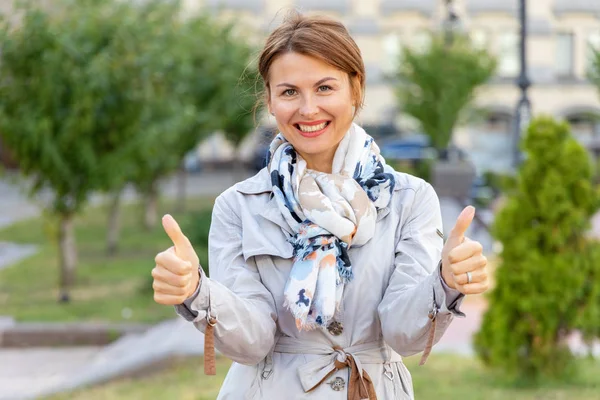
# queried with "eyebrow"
point(328, 78)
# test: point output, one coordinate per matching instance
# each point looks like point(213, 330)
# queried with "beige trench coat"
point(384, 311)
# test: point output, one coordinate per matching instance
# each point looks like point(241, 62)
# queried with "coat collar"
point(257, 184)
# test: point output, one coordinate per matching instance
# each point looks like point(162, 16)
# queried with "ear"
point(356, 91)
point(268, 99)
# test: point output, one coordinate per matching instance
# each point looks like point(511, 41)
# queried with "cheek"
point(342, 111)
point(339, 105)
point(283, 110)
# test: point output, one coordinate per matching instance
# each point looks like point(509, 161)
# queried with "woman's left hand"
point(464, 267)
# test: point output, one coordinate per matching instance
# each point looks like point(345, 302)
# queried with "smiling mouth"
point(312, 128)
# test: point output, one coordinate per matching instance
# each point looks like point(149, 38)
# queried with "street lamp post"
point(450, 22)
point(450, 25)
point(523, 112)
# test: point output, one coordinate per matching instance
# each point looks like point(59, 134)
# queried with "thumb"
point(183, 247)
point(462, 224)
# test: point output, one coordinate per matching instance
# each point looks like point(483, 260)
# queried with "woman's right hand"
point(176, 275)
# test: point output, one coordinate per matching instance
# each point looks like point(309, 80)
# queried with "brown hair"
point(320, 37)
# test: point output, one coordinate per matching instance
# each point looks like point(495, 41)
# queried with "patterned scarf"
point(329, 213)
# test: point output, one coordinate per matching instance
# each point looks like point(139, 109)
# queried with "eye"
point(324, 88)
point(289, 92)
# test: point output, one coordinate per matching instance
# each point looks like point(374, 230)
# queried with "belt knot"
point(360, 385)
point(341, 358)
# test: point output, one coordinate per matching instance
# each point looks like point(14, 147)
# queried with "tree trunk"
point(151, 207)
point(240, 171)
point(68, 256)
point(114, 226)
point(181, 189)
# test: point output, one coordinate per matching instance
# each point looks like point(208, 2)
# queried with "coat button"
point(337, 384)
point(335, 328)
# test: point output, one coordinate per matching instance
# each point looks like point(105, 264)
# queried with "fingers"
point(170, 288)
point(165, 288)
point(462, 224)
point(171, 262)
point(475, 262)
point(161, 274)
point(168, 299)
point(473, 288)
point(477, 276)
point(467, 257)
point(464, 251)
point(175, 274)
point(173, 278)
point(180, 241)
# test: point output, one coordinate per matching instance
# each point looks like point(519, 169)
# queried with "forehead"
point(299, 69)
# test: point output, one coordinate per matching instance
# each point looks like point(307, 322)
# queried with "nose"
point(309, 107)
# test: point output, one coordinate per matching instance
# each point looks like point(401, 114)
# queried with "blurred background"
point(115, 112)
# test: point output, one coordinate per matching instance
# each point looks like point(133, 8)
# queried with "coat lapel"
point(271, 212)
point(264, 238)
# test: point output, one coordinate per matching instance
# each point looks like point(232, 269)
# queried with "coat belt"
point(315, 372)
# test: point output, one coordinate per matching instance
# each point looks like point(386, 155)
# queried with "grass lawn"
point(107, 288)
point(443, 377)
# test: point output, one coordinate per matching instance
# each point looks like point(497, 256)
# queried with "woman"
point(327, 266)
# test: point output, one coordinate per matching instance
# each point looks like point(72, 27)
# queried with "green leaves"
point(99, 93)
point(437, 85)
point(594, 71)
point(548, 284)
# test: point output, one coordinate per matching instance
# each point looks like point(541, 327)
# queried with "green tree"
point(593, 74)
point(594, 70)
point(437, 85)
point(548, 283)
point(239, 97)
point(206, 59)
point(73, 94)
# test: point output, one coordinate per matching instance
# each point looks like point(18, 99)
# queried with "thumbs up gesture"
point(176, 272)
point(464, 267)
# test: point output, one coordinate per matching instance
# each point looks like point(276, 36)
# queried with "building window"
point(592, 45)
point(480, 38)
point(490, 142)
point(584, 127)
point(564, 54)
point(498, 122)
point(508, 54)
point(392, 49)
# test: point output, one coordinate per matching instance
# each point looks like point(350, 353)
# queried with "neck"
point(320, 162)
point(320, 166)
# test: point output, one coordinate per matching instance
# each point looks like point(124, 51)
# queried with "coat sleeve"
point(234, 294)
point(416, 288)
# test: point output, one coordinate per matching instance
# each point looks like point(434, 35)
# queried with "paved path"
point(25, 373)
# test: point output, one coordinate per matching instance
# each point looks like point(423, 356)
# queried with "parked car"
point(261, 150)
point(413, 147)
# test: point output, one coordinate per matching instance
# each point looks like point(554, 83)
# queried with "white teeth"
point(312, 128)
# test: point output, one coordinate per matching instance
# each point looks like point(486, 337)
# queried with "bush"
point(548, 283)
point(197, 231)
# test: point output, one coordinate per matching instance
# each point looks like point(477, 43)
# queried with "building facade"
point(559, 35)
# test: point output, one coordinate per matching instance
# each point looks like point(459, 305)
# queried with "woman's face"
point(312, 103)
